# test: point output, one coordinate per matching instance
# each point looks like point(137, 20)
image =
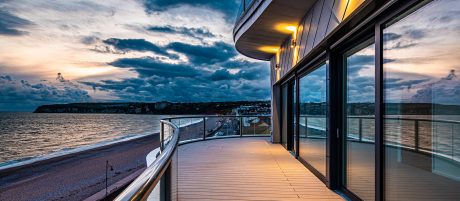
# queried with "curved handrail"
point(144, 184)
point(223, 116)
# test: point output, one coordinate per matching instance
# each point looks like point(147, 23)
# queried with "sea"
point(27, 137)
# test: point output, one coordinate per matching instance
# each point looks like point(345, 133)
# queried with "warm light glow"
point(291, 28)
point(278, 74)
point(277, 57)
point(269, 49)
point(286, 27)
point(295, 55)
point(352, 5)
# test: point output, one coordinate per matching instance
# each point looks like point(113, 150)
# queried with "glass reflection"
point(422, 104)
point(312, 122)
point(360, 127)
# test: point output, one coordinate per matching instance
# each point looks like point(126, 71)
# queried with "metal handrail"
point(144, 184)
point(223, 116)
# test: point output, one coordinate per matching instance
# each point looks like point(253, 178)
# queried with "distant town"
point(240, 108)
point(163, 107)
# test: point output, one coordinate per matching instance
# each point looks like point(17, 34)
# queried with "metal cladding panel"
point(289, 53)
point(314, 26)
point(305, 34)
point(317, 23)
point(338, 11)
point(324, 21)
point(283, 67)
point(282, 60)
point(299, 38)
point(273, 70)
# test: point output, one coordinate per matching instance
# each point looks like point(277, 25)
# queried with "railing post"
point(162, 135)
point(241, 126)
point(306, 127)
point(204, 128)
point(452, 134)
point(165, 185)
point(416, 135)
point(360, 132)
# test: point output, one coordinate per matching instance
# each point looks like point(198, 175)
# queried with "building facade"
point(365, 93)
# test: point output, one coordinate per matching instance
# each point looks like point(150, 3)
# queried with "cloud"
point(21, 92)
point(390, 36)
point(416, 34)
point(357, 63)
point(186, 82)
point(140, 45)
point(239, 64)
point(148, 66)
point(446, 90)
point(257, 71)
point(200, 54)
point(401, 83)
point(89, 40)
point(222, 74)
point(11, 25)
point(227, 7)
point(197, 33)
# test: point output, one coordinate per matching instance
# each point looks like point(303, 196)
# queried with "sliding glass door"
point(359, 121)
point(421, 50)
point(313, 118)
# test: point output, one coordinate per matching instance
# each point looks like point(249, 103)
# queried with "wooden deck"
point(245, 169)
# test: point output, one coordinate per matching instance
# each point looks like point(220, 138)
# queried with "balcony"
point(261, 26)
point(224, 158)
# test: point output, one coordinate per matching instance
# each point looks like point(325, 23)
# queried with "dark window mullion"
point(379, 112)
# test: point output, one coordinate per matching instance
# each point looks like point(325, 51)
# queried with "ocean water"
point(28, 136)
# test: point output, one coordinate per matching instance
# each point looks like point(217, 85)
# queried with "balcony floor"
point(248, 168)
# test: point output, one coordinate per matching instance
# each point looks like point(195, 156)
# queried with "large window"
point(312, 123)
point(422, 103)
point(359, 121)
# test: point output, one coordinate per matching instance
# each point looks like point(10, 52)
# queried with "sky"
point(123, 51)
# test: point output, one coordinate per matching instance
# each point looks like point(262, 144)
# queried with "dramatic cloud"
point(200, 54)
point(149, 66)
point(228, 7)
point(197, 33)
point(21, 92)
point(185, 82)
point(11, 25)
point(141, 45)
point(176, 51)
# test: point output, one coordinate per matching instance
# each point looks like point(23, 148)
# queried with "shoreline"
point(78, 175)
point(62, 155)
point(81, 174)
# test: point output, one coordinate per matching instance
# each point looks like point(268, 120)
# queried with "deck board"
point(245, 169)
